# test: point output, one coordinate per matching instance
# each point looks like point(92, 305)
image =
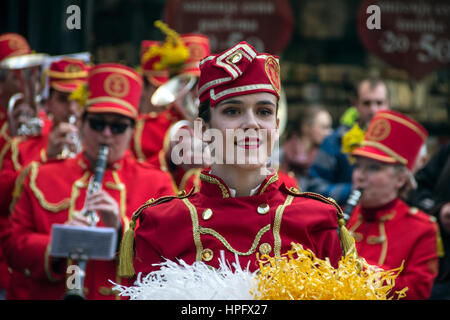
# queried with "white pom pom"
point(180, 281)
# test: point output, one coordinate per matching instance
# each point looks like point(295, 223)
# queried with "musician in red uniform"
point(148, 139)
point(151, 142)
point(64, 77)
point(387, 231)
point(56, 191)
point(240, 208)
point(11, 44)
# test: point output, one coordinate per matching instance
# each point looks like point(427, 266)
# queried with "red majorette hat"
point(155, 77)
point(198, 46)
point(13, 44)
point(67, 74)
point(237, 71)
point(392, 137)
point(114, 88)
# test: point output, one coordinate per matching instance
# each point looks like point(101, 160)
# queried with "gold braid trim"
point(80, 183)
point(386, 150)
point(3, 153)
point(162, 161)
point(15, 153)
point(191, 172)
point(277, 225)
point(384, 245)
point(229, 247)
point(225, 193)
point(4, 132)
point(43, 155)
point(195, 229)
point(18, 187)
point(123, 193)
point(271, 180)
point(53, 207)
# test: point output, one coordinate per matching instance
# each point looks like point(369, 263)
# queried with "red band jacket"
point(393, 234)
point(51, 193)
point(198, 227)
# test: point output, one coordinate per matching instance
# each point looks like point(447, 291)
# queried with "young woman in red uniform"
point(242, 208)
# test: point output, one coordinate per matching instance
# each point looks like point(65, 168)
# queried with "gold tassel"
point(126, 254)
point(347, 241)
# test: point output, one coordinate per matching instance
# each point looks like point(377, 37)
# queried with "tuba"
point(28, 69)
point(178, 91)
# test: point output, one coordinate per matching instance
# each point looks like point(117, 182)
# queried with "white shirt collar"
point(252, 192)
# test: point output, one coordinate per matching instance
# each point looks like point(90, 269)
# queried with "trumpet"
point(28, 69)
point(66, 152)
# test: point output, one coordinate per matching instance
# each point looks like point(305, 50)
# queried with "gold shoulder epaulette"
point(297, 193)
point(126, 254)
point(429, 218)
point(416, 213)
point(153, 202)
point(347, 241)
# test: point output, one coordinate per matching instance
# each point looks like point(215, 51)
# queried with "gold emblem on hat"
point(378, 130)
point(14, 44)
point(116, 85)
point(196, 52)
point(72, 68)
point(272, 69)
point(235, 57)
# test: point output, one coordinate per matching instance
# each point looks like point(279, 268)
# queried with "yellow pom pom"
point(300, 275)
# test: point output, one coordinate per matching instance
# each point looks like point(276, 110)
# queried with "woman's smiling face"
point(248, 126)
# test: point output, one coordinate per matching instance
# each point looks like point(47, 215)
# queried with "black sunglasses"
point(99, 125)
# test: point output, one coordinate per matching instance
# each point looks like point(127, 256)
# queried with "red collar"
point(372, 214)
point(214, 186)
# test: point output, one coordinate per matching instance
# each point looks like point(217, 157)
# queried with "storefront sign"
point(413, 35)
point(265, 24)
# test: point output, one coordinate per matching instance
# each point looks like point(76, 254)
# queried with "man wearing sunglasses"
point(56, 192)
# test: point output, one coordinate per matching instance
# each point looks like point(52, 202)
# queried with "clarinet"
point(94, 186)
point(96, 183)
point(352, 201)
